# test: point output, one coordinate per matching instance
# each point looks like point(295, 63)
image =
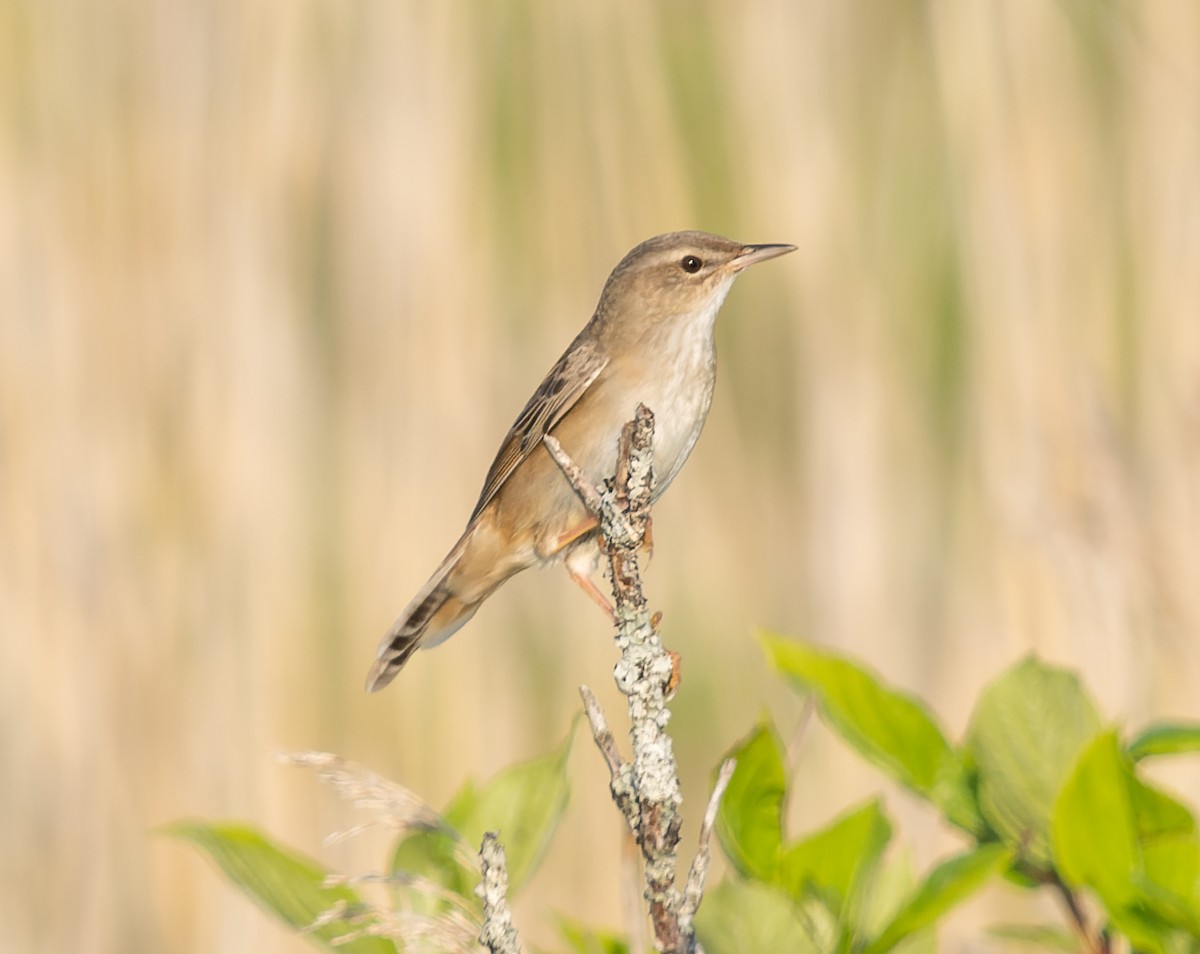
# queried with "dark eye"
point(691, 264)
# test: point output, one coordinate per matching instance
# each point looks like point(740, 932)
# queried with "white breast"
point(680, 391)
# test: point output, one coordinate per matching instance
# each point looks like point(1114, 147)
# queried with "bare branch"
point(620, 771)
point(693, 890)
point(605, 741)
point(714, 801)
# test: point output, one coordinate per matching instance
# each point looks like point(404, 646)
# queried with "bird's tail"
point(435, 614)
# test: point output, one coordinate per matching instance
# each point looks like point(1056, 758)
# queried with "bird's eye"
point(691, 264)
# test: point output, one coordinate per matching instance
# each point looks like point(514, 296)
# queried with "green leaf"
point(948, 885)
point(740, 916)
point(1144, 930)
point(284, 883)
point(879, 895)
point(1168, 880)
point(1165, 738)
point(1170, 889)
point(1095, 833)
point(890, 729)
point(523, 804)
point(1172, 866)
point(1135, 846)
point(956, 794)
point(1028, 728)
point(585, 940)
point(436, 856)
point(750, 817)
point(1157, 814)
point(834, 860)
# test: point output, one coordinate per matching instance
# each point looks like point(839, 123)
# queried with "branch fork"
point(646, 790)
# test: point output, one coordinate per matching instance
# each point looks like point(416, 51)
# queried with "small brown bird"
point(649, 341)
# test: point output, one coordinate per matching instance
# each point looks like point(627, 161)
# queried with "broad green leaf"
point(1156, 813)
point(833, 860)
point(585, 940)
point(956, 794)
point(750, 817)
point(439, 857)
point(283, 882)
point(1027, 730)
point(1095, 832)
point(1135, 846)
point(890, 729)
point(880, 894)
point(740, 916)
point(523, 804)
point(1172, 863)
point(1144, 930)
point(948, 885)
point(1046, 938)
point(1168, 880)
point(1165, 738)
point(1170, 885)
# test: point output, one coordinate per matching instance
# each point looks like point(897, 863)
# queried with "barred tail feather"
point(434, 615)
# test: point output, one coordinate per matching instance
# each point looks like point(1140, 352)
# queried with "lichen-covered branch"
point(497, 934)
point(646, 790)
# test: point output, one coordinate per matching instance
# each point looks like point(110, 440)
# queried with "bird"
point(649, 341)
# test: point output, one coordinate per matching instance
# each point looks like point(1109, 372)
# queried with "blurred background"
point(276, 277)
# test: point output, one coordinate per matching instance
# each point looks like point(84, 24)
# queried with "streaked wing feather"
point(564, 385)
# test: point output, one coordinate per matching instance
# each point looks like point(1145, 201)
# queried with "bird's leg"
point(555, 545)
point(585, 583)
point(580, 565)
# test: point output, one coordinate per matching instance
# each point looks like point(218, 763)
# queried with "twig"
point(1095, 941)
point(693, 890)
point(574, 473)
point(497, 934)
point(647, 790)
point(600, 505)
point(621, 785)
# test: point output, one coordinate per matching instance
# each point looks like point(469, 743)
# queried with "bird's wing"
point(557, 394)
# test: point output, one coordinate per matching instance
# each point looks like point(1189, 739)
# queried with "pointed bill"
point(752, 254)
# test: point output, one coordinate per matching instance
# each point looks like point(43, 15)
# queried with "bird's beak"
point(752, 254)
